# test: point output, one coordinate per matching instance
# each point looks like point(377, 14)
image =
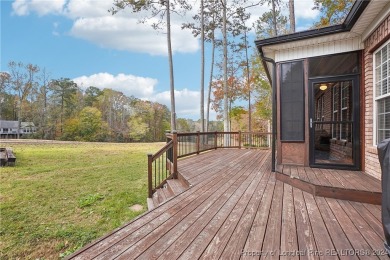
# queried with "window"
point(292, 102)
point(342, 110)
point(335, 110)
point(320, 108)
point(382, 92)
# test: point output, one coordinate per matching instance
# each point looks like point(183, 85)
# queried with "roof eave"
point(353, 15)
point(357, 9)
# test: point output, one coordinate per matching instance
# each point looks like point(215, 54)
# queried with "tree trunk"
point(19, 117)
point(274, 17)
point(225, 71)
point(172, 82)
point(292, 15)
point(202, 67)
point(62, 111)
point(249, 89)
point(210, 85)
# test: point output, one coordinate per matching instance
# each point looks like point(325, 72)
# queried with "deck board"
point(306, 239)
point(288, 237)
point(322, 238)
point(347, 225)
point(237, 209)
point(339, 238)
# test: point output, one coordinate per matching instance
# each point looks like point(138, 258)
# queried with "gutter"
point(274, 102)
point(356, 11)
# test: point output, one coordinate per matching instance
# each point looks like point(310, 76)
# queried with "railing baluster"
point(150, 175)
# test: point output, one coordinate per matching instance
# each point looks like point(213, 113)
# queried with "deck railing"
point(163, 165)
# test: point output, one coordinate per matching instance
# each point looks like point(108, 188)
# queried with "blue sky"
point(81, 40)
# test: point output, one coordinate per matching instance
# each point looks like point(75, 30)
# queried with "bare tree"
point(291, 9)
point(202, 65)
point(21, 83)
point(237, 9)
point(43, 97)
point(4, 80)
point(225, 69)
point(210, 16)
point(160, 9)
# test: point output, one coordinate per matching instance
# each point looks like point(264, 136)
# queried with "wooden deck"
point(237, 209)
point(339, 184)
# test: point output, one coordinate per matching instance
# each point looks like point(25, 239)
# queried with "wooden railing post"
point(150, 175)
point(239, 139)
point(216, 141)
point(166, 137)
point(174, 139)
point(197, 142)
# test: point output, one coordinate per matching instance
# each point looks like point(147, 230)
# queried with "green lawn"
point(62, 196)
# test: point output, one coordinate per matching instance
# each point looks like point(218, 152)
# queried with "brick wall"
point(372, 43)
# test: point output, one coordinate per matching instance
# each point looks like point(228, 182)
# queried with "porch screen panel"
point(292, 102)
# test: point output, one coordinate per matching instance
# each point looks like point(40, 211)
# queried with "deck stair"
point(172, 188)
point(337, 184)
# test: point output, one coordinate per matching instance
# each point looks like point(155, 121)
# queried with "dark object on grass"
point(7, 157)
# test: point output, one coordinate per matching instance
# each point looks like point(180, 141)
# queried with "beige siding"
point(319, 49)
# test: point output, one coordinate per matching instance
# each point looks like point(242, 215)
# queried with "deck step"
point(150, 203)
point(363, 196)
point(176, 186)
point(172, 188)
point(160, 197)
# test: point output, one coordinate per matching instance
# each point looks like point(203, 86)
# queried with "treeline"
point(62, 110)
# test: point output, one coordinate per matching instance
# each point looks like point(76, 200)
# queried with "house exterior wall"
point(372, 43)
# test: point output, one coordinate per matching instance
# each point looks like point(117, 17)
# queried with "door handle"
point(311, 123)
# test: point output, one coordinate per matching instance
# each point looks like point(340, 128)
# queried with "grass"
point(61, 196)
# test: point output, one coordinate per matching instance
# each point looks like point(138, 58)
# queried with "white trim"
point(321, 46)
point(376, 22)
point(375, 98)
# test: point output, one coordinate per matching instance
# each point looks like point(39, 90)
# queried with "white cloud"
point(127, 34)
point(88, 8)
point(93, 22)
point(127, 84)
point(304, 9)
point(187, 104)
point(41, 7)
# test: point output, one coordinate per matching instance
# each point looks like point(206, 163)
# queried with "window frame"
point(375, 98)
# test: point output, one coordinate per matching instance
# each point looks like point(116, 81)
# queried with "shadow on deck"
point(236, 208)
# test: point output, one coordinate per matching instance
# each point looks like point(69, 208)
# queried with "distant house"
point(27, 128)
point(9, 129)
point(332, 90)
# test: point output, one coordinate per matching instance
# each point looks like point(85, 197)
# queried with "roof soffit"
point(363, 22)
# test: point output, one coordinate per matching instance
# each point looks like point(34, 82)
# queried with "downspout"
point(274, 102)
